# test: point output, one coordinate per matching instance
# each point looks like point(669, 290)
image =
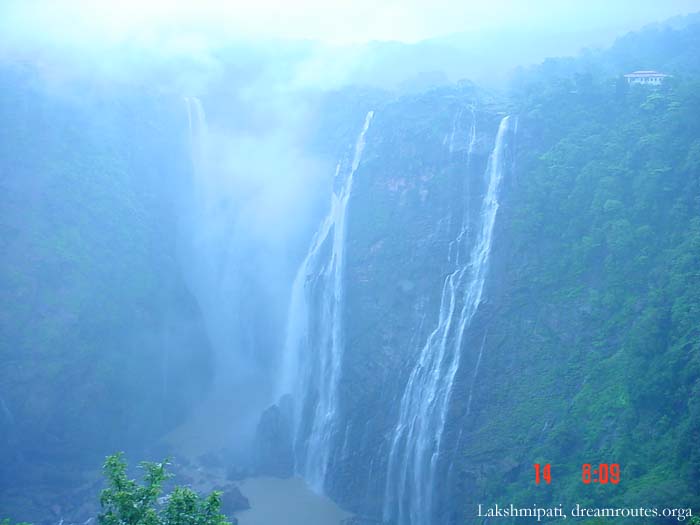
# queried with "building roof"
point(646, 74)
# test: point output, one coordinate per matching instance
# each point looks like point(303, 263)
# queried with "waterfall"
point(417, 437)
point(451, 143)
point(314, 338)
point(474, 376)
point(203, 189)
point(6, 413)
point(196, 119)
point(197, 122)
point(205, 242)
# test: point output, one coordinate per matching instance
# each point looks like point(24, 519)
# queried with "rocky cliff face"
point(408, 207)
point(582, 311)
point(422, 177)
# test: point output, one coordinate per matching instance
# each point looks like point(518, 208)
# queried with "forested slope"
point(593, 342)
point(97, 326)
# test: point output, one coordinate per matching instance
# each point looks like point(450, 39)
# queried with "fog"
point(244, 86)
point(244, 219)
point(326, 43)
point(258, 70)
point(179, 25)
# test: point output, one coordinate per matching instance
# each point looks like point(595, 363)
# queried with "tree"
point(126, 502)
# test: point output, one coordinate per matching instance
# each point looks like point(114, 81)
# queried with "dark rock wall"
point(407, 204)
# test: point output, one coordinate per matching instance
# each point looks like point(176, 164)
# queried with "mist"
point(190, 185)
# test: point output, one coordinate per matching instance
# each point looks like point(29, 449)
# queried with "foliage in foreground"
point(127, 502)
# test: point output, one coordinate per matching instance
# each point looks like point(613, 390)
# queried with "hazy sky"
point(191, 23)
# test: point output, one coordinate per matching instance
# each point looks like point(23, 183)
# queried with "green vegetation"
point(126, 502)
point(590, 328)
point(89, 270)
point(603, 226)
point(613, 205)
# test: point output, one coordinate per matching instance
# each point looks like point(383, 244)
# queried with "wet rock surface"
point(274, 455)
point(232, 500)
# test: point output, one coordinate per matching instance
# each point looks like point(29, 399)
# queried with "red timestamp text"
point(602, 473)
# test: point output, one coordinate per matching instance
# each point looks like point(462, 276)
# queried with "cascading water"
point(7, 416)
point(197, 121)
point(212, 253)
point(451, 142)
point(314, 339)
point(474, 376)
point(417, 438)
point(206, 239)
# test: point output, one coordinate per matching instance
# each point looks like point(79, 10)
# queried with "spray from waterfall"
point(314, 339)
point(417, 439)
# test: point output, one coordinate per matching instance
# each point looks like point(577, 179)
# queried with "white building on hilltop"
point(653, 78)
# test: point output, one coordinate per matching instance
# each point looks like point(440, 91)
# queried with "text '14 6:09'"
point(603, 473)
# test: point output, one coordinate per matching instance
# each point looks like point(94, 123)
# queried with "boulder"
point(274, 454)
point(232, 500)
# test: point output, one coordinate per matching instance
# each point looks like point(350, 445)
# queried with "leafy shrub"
point(127, 502)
